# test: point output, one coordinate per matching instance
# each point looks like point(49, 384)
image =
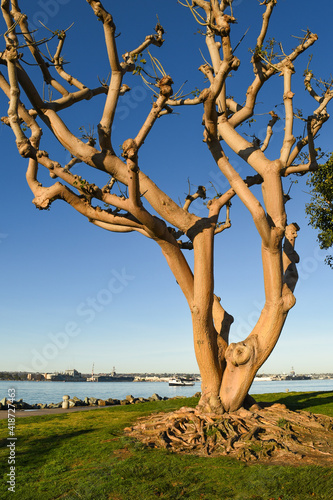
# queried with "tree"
point(320, 207)
point(227, 370)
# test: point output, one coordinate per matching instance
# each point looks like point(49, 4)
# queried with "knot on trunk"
point(130, 149)
point(235, 63)
point(239, 354)
point(24, 148)
point(165, 86)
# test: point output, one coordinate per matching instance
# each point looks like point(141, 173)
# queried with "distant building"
point(68, 376)
point(35, 376)
point(72, 373)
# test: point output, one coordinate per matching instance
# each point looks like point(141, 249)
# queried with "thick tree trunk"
point(244, 359)
point(204, 332)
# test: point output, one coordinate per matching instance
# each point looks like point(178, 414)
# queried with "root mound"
point(273, 434)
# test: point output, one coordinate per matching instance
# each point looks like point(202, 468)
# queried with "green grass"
point(84, 455)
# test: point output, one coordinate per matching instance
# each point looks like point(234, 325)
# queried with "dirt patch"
point(122, 453)
point(272, 435)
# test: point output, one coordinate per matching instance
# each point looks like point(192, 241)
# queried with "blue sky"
point(72, 294)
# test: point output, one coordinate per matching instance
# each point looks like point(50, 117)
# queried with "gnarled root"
point(272, 434)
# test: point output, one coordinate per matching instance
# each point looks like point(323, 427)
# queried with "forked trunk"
point(228, 371)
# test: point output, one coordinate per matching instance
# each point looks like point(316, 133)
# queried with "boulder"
point(25, 406)
point(130, 398)
point(155, 397)
point(112, 402)
point(124, 402)
point(101, 402)
point(92, 401)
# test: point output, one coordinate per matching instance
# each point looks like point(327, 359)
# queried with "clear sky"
point(73, 294)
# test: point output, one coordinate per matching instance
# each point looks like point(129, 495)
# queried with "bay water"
point(52, 392)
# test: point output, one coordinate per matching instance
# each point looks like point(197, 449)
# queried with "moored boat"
point(180, 382)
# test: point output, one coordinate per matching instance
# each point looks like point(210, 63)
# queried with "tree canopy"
point(320, 207)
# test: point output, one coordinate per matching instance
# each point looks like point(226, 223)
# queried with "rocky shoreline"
point(75, 401)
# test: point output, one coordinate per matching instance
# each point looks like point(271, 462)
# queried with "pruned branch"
point(149, 40)
point(269, 131)
point(247, 110)
point(241, 189)
point(289, 139)
point(33, 47)
point(151, 224)
point(58, 63)
point(290, 257)
point(200, 193)
point(165, 91)
point(221, 227)
point(265, 21)
point(105, 124)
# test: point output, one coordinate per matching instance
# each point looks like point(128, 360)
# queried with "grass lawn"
point(84, 455)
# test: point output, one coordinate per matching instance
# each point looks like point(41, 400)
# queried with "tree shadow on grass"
point(37, 450)
point(306, 399)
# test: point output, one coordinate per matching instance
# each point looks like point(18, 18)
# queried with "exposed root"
point(272, 434)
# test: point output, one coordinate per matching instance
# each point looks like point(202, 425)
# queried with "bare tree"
point(227, 369)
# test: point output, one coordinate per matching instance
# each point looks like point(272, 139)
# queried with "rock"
point(155, 397)
point(78, 401)
point(72, 403)
point(25, 406)
point(101, 402)
point(113, 402)
point(130, 398)
point(86, 401)
point(197, 395)
point(3, 402)
point(55, 405)
point(124, 402)
point(143, 400)
point(92, 401)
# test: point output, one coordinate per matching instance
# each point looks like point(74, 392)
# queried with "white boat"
point(180, 382)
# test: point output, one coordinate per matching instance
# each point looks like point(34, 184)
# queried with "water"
point(52, 392)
